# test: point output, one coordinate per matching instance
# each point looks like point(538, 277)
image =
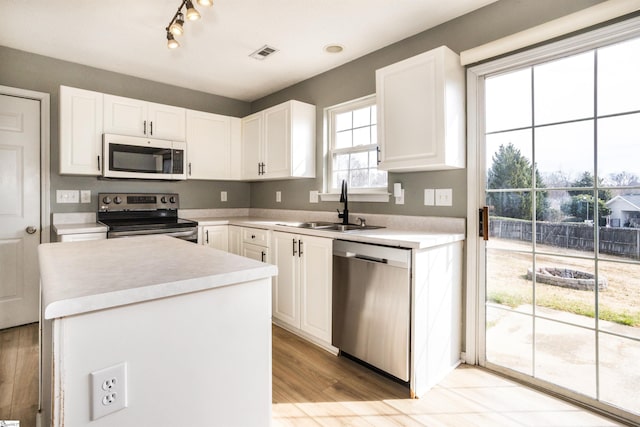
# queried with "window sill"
point(357, 197)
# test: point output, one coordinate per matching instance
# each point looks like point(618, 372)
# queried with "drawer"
point(256, 236)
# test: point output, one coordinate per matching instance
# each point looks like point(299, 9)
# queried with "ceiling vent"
point(263, 52)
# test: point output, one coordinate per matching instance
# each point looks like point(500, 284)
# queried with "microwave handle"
point(151, 126)
point(144, 125)
point(98, 163)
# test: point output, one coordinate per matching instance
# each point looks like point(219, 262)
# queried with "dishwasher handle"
point(368, 258)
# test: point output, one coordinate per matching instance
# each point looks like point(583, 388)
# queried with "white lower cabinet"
point(255, 243)
point(235, 239)
point(215, 236)
point(302, 289)
point(79, 237)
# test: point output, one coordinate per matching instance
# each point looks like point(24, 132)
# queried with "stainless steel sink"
point(330, 226)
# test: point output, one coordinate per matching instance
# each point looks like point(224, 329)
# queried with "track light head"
point(205, 2)
point(171, 42)
point(192, 13)
point(176, 27)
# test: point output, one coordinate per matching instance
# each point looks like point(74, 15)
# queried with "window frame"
point(331, 192)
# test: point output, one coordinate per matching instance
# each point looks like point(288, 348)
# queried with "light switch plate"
point(67, 196)
point(223, 196)
point(313, 196)
point(85, 196)
point(429, 197)
point(444, 197)
point(400, 199)
point(278, 196)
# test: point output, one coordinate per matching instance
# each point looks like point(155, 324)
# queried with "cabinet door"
point(251, 146)
point(125, 116)
point(235, 240)
point(166, 122)
point(420, 104)
point(285, 295)
point(81, 123)
point(208, 146)
point(316, 260)
point(277, 141)
point(216, 236)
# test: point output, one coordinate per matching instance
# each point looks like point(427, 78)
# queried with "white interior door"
point(19, 210)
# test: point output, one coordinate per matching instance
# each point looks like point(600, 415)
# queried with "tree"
point(510, 169)
point(582, 202)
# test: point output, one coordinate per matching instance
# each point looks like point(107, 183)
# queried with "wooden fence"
point(619, 241)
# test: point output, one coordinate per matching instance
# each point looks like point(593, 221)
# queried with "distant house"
point(625, 211)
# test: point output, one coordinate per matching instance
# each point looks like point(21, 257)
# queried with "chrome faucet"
point(344, 199)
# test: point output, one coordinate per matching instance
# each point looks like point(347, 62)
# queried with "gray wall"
point(39, 73)
point(353, 80)
point(357, 79)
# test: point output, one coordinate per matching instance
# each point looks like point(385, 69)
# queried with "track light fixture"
point(176, 25)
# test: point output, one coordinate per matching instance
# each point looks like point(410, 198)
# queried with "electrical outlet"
point(108, 390)
point(313, 196)
point(444, 197)
point(278, 196)
point(223, 196)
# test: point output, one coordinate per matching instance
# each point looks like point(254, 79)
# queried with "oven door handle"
point(114, 234)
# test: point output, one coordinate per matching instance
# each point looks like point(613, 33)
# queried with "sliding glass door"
point(561, 177)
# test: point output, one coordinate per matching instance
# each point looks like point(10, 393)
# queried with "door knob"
point(31, 229)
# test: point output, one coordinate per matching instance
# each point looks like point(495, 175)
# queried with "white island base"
point(194, 357)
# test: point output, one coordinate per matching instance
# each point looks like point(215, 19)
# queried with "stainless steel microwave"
point(143, 158)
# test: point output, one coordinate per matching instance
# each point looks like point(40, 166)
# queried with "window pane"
point(565, 355)
point(618, 82)
point(619, 149)
point(377, 178)
point(564, 89)
point(362, 136)
point(362, 117)
point(339, 176)
point(343, 139)
point(341, 162)
point(359, 160)
point(359, 178)
point(508, 101)
point(514, 211)
point(343, 121)
point(507, 283)
point(509, 339)
point(509, 160)
point(619, 371)
point(619, 301)
point(566, 148)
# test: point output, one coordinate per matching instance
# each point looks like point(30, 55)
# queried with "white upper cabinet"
point(127, 116)
point(81, 130)
point(279, 142)
point(421, 113)
point(213, 146)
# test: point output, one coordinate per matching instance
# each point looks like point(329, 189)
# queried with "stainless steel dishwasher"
point(372, 304)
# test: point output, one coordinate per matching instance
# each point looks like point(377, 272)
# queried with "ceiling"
point(129, 37)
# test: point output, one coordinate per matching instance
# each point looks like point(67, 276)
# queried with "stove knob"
point(118, 200)
point(163, 199)
point(172, 199)
point(106, 200)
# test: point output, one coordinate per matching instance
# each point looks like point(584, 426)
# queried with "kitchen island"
point(191, 324)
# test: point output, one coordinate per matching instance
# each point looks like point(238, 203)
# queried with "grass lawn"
point(507, 282)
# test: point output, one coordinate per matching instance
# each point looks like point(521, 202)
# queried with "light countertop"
point(413, 239)
point(79, 277)
point(85, 227)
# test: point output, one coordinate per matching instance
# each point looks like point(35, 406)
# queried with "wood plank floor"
point(19, 374)
point(314, 388)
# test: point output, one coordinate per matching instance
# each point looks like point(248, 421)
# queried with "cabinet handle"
point(294, 247)
point(189, 168)
point(483, 226)
point(299, 248)
point(151, 125)
point(98, 163)
point(378, 154)
point(263, 166)
point(262, 258)
point(144, 124)
point(207, 233)
point(259, 169)
point(253, 236)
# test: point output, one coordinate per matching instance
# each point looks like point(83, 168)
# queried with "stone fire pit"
point(566, 278)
